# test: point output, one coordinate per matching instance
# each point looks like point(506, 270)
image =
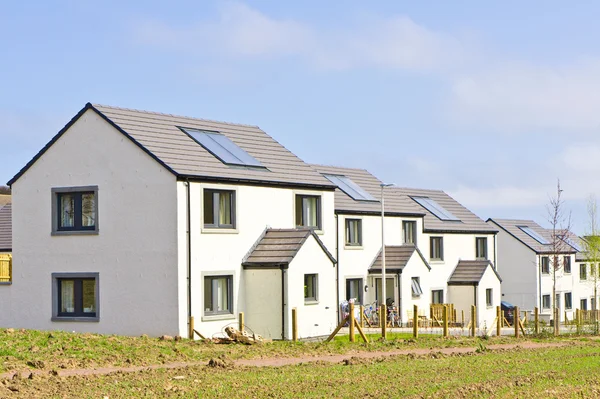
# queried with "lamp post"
point(383, 282)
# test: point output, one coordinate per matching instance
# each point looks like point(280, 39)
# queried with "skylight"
point(573, 243)
point(223, 148)
point(527, 230)
point(435, 208)
point(345, 184)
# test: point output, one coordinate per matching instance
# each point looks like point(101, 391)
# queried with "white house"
point(131, 222)
point(525, 262)
point(428, 235)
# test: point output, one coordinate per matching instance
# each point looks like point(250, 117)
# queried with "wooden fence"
point(5, 268)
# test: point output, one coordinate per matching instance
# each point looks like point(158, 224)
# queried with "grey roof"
point(469, 222)
point(470, 272)
point(278, 247)
point(344, 203)
point(511, 226)
point(6, 228)
point(159, 136)
point(396, 258)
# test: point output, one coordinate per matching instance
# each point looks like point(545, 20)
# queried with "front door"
point(389, 290)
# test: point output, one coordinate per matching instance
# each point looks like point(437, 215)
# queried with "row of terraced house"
point(131, 222)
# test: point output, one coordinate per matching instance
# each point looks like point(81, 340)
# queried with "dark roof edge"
point(323, 247)
point(375, 213)
point(514, 236)
point(253, 182)
point(422, 257)
point(438, 231)
point(62, 131)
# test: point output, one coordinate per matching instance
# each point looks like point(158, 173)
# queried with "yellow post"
point(503, 319)
point(415, 321)
point(294, 324)
point(362, 316)
point(242, 326)
point(578, 314)
point(498, 321)
point(516, 318)
point(556, 321)
point(473, 320)
point(445, 318)
point(351, 322)
point(526, 320)
point(383, 321)
point(191, 328)
point(462, 318)
point(536, 320)
point(566, 318)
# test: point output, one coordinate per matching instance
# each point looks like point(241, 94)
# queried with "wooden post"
point(536, 320)
point(498, 321)
point(191, 328)
point(526, 320)
point(566, 319)
point(351, 322)
point(294, 324)
point(556, 321)
point(516, 319)
point(360, 331)
point(503, 319)
point(578, 314)
point(242, 326)
point(473, 320)
point(462, 318)
point(338, 328)
point(383, 321)
point(445, 318)
point(415, 321)
point(362, 316)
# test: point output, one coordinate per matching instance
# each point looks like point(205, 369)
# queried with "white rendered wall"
point(462, 296)
point(216, 251)
point(134, 253)
point(565, 282)
point(414, 268)
point(314, 319)
point(263, 302)
point(487, 314)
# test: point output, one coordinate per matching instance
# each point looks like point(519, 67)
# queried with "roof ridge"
point(341, 167)
point(173, 115)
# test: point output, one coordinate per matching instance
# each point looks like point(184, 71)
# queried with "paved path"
point(279, 361)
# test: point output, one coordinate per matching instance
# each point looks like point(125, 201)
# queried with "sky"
point(492, 103)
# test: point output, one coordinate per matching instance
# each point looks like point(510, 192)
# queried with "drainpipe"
point(399, 277)
point(495, 251)
point(539, 290)
point(337, 265)
point(283, 304)
point(189, 257)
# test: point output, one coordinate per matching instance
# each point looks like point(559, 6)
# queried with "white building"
point(428, 238)
point(526, 263)
point(131, 222)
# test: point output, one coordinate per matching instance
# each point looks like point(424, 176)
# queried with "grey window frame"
point(56, 192)
point(478, 255)
point(214, 298)
point(358, 232)
point(583, 271)
point(303, 208)
point(583, 304)
point(433, 295)
point(315, 297)
point(216, 193)
point(412, 229)
point(546, 301)
point(567, 261)
point(545, 264)
point(432, 240)
point(569, 304)
point(360, 289)
point(55, 292)
point(489, 297)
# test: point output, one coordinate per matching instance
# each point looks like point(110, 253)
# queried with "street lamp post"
point(383, 282)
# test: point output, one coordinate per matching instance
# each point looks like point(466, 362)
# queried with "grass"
point(567, 371)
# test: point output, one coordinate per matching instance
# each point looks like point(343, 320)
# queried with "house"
point(131, 222)
point(526, 262)
point(430, 240)
point(6, 243)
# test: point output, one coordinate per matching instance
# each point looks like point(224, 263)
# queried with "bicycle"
point(371, 314)
point(393, 316)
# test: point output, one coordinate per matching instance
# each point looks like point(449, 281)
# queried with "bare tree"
point(560, 221)
point(4, 190)
point(591, 245)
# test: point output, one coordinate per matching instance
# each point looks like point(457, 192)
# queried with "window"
point(432, 206)
point(593, 270)
point(489, 299)
point(529, 231)
point(218, 295)
point(481, 248)
point(219, 209)
point(568, 300)
point(223, 148)
point(546, 302)
point(582, 271)
point(75, 210)
point(583, 304)
point(409, 232)
point(545, 265)
point(345, 184)
point(567, 264)
point(437, 296)
point(416, 287)
point(310, 288)
point(436, 248)
point(354, 290)
point(593, 303)
point(75, 297)
point(308, 211)
point(353, 232)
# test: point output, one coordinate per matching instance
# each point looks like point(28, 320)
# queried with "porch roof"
point(470, 272)
point(396, 258)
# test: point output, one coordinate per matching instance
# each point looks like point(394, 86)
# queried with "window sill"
point(217, 317)
point(216, 230)
point(352, 247)
point(310, 302)
point(436, 261)
point(75, 319)
point(75, 233)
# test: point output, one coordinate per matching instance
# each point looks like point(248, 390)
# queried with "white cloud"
point(499, 197)
point(583, 159)
point(241, 31)
point(522, 97)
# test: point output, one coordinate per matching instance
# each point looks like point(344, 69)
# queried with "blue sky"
point(489, 102)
